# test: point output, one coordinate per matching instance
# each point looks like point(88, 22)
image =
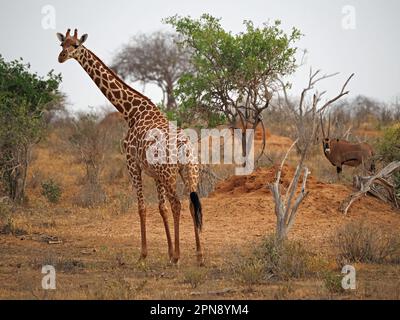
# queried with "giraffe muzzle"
point(62, 57)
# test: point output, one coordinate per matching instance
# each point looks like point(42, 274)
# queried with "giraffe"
point(143, 117)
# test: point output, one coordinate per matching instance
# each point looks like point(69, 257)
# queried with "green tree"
point(388, 148)
point(26, 99)
point(389, 144)
point(234, 75)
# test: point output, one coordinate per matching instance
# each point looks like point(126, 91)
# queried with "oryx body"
point(344, 153)
point(341, 152)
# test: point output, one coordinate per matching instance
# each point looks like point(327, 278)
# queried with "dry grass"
point(362, 242)
point(250, 272)
point(36, 179)
point(99, 261)
point(10, 228)
point(123, 203)
point(195, 276)
point(91, 195)
point(98, 256)
point(8, 225)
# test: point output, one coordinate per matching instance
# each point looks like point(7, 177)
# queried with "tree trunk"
point(17, 175)
point(281, 229)
point(244, 147)
point(171, 102)
point(18, 191)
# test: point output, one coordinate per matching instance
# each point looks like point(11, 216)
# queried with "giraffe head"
point(70, 45)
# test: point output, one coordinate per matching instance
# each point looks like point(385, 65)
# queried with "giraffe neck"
point(125, 99)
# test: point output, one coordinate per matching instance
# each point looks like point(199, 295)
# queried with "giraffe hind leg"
point(190, 177)
point(162, 198)
point(173, 198)
point(199, 252)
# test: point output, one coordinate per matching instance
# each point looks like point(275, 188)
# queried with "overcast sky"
point(345, 36)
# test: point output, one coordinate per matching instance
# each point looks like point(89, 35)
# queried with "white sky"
point(371, 50)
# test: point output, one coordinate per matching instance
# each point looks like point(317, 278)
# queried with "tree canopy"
point(234, 74)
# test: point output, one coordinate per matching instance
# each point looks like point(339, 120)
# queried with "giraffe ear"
point(83, 38)
point(60, 37)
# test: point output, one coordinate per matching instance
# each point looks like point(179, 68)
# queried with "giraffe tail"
point(198, 216)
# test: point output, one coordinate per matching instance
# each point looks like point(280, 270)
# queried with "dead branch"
point(369, 185)
point(347, 133)
point(341, 94)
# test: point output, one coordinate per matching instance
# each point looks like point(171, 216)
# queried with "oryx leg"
point(338, 171)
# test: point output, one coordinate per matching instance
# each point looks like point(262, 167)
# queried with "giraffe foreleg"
point(142, 215)
point(138, 185)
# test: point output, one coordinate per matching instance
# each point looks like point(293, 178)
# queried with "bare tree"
point(303, 112)
point(364, 108)
point(286, 206)
point(396, 109)
point(154, 58)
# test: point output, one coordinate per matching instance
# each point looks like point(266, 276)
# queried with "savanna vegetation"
point(66, 198)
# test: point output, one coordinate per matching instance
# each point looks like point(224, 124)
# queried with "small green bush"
point(333, 282)
point(275, 260)
point(286, 260)
point(51, 190)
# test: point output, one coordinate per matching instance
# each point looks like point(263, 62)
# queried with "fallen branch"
point(54, 242)
point(215, 292)
point(369, 185)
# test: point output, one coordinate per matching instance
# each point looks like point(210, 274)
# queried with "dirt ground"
point(95, 251)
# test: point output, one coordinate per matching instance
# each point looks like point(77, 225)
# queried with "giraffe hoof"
point(175, 261)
